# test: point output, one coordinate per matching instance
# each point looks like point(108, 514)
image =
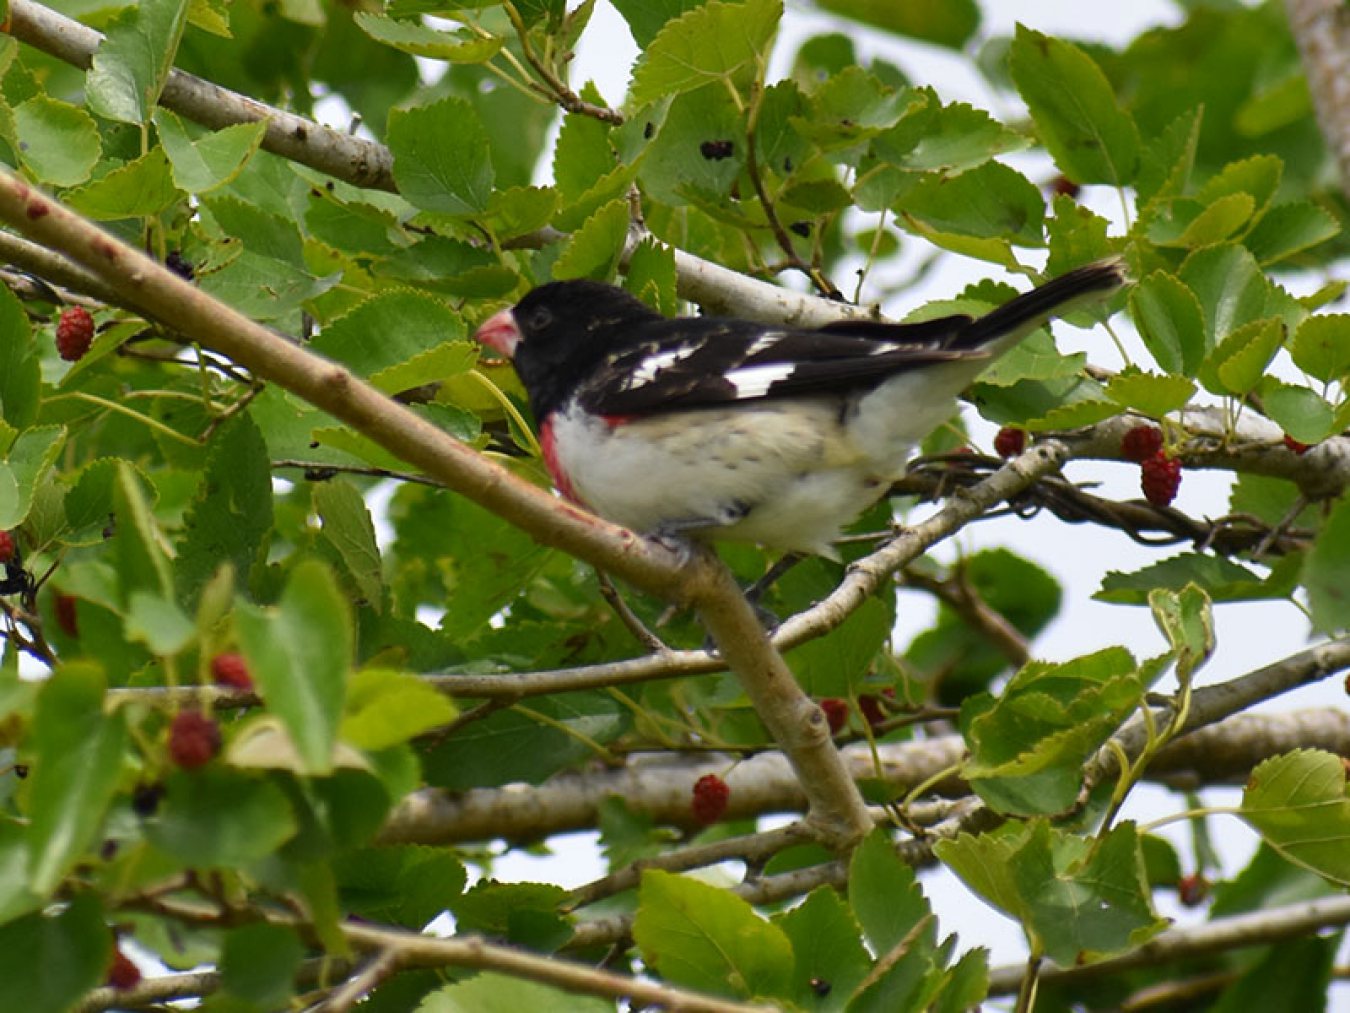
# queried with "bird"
point(714, 428)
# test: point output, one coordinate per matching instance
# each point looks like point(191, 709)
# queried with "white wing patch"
point(755, 381)
point(763, 343)
point(647, 370)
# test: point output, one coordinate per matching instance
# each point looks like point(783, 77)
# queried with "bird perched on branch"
point(721, 428)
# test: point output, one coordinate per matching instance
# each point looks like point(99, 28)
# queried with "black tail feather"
point(1082, 283)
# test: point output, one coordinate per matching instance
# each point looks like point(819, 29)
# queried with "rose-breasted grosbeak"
point(723, 428)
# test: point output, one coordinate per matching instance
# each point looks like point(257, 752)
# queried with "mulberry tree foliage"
point(280, 685)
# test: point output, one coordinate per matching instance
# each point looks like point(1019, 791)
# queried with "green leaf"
point(1302, 413)
point(1170, 321)
point(141, 555)
point(299, 653)
point(1287, 229)
point(406, 884)
point(675, 168)
point(1188, 224)
point(837, 663)
point(1292, 974)
point(139, 188)
point(459, 46)
point(20, 369)
point(230, 515)
point(647, 17)
point(1230, 286)
point(385, 708)
point(77, 764)
point(992, 201)
point(347, 527)
point(952, 137)
point(709, 939)
point(158, 622)
point(258, 964)
point(1079, 903)
point(884, 895)
point(58, 142)
point(490, 992)
point(49, 960)
point(1239, 361)
point(1326, 572)
point(1077, 236)
point(441, 153)
point(1149, 393)
point(1027, 746)
point(389, 329)
point(1187, 620)
point(594, 249)
point(1091, 138)
point(717, 41)
point(25, 464)
point(1221, 579)
point(134, 60)
point(218, 818)
point(1168, 159)
point(827, 944)
point(1321, 346)
point(950, 23)
point(1297, 803)
point(650, 276)
point(212, 160)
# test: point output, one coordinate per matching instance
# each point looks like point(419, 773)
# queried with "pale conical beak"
point(499, 333)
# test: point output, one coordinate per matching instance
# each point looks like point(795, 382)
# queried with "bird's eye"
point(540, 318)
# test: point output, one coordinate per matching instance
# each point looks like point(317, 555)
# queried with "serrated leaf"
point(1258, 177)
point(594, 249)
point(77, 764)
point(1170, 321)
point(389, 330)
point(650, 275)
point(1297, 803)
point(490, 992)
point(20, 369)
point(134, 60)
point(459, 46)
point(709, 939)
point(432, 366)
point(139, 547)
point(1187, 621)
point(1221, 579)
point(1302, 413)
point(1326, 572)
point(211, 160)
point(139, 188)
point(991, 201)
point(1321, 346)
point(1239, 361)
point(442, 159)
point(718, 41)
point(57, 142)
point(299, 652)
point(949, 23)
point(647, 17)
point(1188, 224)
point(884, 894)
point(385, 708)
point(827, 943)
point(25, 463)
point(1079, 903)
point(1287, 229)
point(1230, 286)
point(1091, 138)
point(347, 527)
point(1149, 393)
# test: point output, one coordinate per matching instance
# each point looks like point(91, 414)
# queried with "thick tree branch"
point(1322, 30)
point(335, 152)
point(1256, 929)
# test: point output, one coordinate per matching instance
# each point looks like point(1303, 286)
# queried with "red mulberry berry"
point(194, 739)
point(1295, 446)
point(7, 547)
point(1141, 443)
point(1159, 478)
point(836, 713)
point(230, 669)
point(1192, 889)
point(74, 333)
point(710, 799)
point(1010, 442)
point(122, 973)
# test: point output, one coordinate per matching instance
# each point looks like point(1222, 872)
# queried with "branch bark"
point(1321, 29)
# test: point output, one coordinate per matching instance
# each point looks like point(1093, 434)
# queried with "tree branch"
point(335, 152)
point(1322, 30)
point(1256, 929)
